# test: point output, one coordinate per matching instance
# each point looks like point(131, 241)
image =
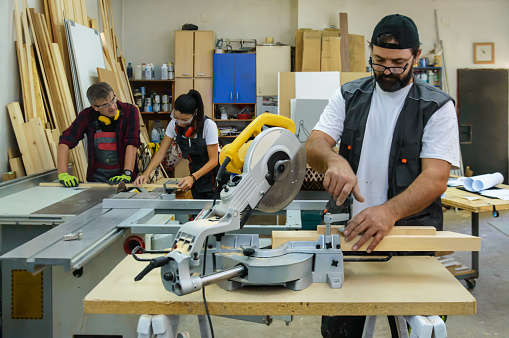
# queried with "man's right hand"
point(140, 180)
point(340, 181)
point(67, 180)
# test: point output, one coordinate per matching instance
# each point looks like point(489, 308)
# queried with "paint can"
point(424, 62)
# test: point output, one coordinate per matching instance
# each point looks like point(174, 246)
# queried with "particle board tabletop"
point(404, 285)
point(453, 197)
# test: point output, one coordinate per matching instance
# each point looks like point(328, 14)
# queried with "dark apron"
point(195, 150)
point(106, 161)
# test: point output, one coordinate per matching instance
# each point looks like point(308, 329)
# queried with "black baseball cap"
point(402, 27)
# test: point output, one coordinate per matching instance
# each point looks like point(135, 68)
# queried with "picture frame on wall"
point(484, 53)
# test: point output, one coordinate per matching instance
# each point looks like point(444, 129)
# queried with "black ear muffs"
point(106, 120)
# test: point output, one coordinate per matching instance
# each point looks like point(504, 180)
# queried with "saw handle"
point(254, 128)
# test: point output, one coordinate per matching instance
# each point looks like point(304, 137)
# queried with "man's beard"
point(391, 83)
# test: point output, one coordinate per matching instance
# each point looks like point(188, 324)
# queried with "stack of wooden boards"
point(325, 50)
point(48, 105)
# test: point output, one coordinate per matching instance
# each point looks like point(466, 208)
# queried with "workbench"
point(404, 285)
point(453, 198)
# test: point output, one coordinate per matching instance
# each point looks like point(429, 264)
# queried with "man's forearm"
point(320, 154)
point(130, 157)
point(426, 188)
point(62, 158)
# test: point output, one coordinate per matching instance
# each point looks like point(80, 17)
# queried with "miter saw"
point(273, 167)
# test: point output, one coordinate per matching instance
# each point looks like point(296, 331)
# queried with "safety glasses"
point(180, 121)
point(107, 105)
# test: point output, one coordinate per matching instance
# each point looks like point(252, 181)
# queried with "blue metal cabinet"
point(234, 78)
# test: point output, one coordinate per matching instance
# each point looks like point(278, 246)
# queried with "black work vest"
point(195, 150)
point(422, 102)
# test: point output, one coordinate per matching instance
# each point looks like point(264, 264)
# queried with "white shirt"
point(210, 133)
point(440, 139)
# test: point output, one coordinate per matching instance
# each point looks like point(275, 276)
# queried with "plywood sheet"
point(299, 37)
point(454, 198)
point(109, 77)
point(316, 85)
point(390, 288)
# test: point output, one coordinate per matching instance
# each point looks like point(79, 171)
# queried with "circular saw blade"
point(288, 184)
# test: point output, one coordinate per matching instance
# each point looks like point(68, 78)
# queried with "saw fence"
point(48, 106)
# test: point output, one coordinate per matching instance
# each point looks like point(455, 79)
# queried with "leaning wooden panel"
point(41, 143)
point(397, 287)
point(32, 147)
point(442, 241)
point(17, 124)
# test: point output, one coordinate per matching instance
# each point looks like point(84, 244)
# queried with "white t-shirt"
point(440, 139)
point(210, 133)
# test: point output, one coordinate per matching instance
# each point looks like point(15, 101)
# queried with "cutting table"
point(401, 286)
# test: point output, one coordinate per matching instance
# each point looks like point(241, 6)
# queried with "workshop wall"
point(149, 28)
point(460, 22)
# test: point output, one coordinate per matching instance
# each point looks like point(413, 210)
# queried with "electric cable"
point(203, 288)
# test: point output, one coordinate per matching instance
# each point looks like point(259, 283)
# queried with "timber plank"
point(442, 241)
point(398, 230)
point(17, 166)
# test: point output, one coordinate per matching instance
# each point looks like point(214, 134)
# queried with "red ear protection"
point(188, 131)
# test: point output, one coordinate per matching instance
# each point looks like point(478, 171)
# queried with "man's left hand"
point(121, 178)
point(373, 222)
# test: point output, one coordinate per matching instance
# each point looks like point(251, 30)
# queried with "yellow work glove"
point(125, 177)
point(67, 180)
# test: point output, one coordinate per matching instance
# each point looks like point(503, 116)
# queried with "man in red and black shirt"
point(113, 136)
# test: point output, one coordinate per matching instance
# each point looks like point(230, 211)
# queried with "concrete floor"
point(491, 293)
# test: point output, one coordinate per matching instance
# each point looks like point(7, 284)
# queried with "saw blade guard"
point(283, 164)
point(236, 150)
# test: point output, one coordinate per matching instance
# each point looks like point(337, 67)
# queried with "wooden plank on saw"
point(17, 124)
point(398, 230)
point(41, 143)
point(441, 241)
point(17, 166)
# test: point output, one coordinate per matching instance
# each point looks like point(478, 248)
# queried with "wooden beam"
point(442, 241)
point(398, 230)
point(345, 49)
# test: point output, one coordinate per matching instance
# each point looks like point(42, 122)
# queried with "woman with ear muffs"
point(197, 138)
